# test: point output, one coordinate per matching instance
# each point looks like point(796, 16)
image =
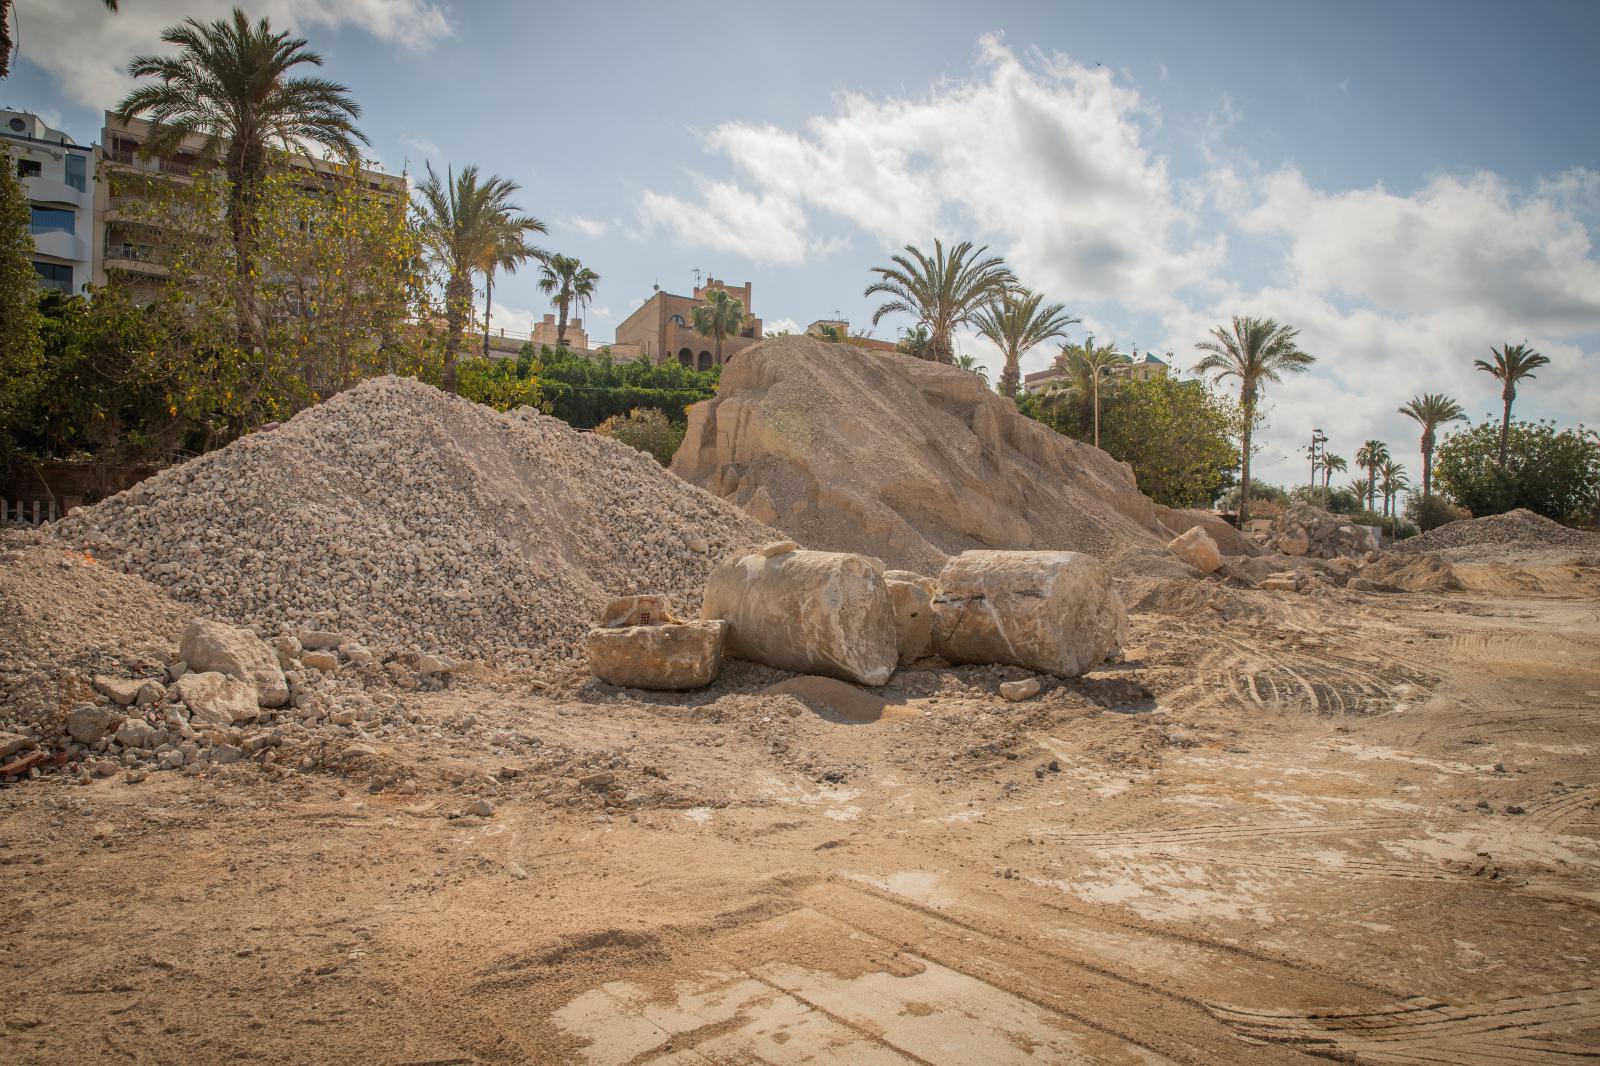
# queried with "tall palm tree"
point(1016, 322)
point(511, 249)
point(914, 341)
point(721, 315)
point(462, 219)
point(1331, 464)
point(1086, 369)
point(1256, 351)
point(941, 291)
point(1512, 363)
point(1430, 411)
point(566, 281)
point(1391, 479)
point(1369, 457)
point(230, 83)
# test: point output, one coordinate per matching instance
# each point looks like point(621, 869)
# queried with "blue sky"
point(1408, 183)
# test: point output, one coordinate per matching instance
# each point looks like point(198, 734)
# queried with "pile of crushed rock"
point(1490, 539)
point(419, 522)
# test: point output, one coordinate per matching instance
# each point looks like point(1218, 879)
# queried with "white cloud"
point(763, 226)
point(589, 227)
point(780, 325)
point(422, 146)
point(87, 48)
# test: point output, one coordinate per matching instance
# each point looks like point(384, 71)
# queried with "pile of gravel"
point(418, 521)
point(1497, 536)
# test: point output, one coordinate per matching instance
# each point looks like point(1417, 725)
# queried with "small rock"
point(119, 690)
point(89, 724)
point(1016, 691)
point(136, 775)
point(321, 640)
point(434, 665)
point(11, 743)
point(481, 807)
point(136, 733)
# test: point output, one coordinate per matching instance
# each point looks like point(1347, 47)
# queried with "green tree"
point(231, 84)
point(1256, 351)
point(1087, 371)
point(1331, 465)
point(940, 291)
point(720, 315)
point(1430, 411)
point(510, 250)
point(1512, 363)
point(646, 429)
point(1369, 457)
point(1017, 322)
point(1553, 472)
point(970, 364)
point(584, 392)
point(463, 219)
point(914, 341)
point(1180, 437)
point(21, 349)
point(1392, 480)
point(567, 281)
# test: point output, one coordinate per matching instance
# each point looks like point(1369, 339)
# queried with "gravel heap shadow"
point(417, 520)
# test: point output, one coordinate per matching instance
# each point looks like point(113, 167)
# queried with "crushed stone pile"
point(1306, 530)
point(419, 522)
point(1493, 538)
point(846, 449)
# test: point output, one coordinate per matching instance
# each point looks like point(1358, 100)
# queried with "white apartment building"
point(57, 176)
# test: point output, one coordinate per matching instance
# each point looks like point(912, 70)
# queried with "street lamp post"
point(1318, 449)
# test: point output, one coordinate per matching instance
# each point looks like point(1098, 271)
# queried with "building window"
point(77, 172)
point(53, 220)
point(29, 168)
point(55, 276)
point(677, 320)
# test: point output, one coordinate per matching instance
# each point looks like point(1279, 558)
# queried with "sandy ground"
point(1359, 827)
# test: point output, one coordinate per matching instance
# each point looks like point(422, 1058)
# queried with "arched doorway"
point(705, 360)
point(686, 357)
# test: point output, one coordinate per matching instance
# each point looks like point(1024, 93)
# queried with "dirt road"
point(1359, 827)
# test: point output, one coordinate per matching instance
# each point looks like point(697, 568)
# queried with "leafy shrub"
point(1433, 513)
point(646, 429)
point(1556, 474)
point(585, 392)
point(498, 383)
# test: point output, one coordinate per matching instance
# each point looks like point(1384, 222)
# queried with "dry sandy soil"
point(1348, 826)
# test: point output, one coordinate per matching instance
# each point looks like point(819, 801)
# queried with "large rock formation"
point(848, 449)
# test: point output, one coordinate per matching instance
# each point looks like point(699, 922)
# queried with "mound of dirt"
point(415, 520)
point(65, 617)
point(1413, 572)
point(848, 449)
point(1496, 537)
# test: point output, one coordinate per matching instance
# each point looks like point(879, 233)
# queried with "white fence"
point(28, 512)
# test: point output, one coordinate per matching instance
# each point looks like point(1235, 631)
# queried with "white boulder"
point(214, 647)
point(1196, 548)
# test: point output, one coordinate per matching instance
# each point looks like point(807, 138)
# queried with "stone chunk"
point(212, 647)
point(88, 724)
point(136, 733)
point(650, 610)
point(669, 657)
point(326, 661)
point(120, 690)
point(435, 665)
point(215, 699)
point(1017, 691)
point(1294, 542)
point(321, 640)
point(1196, 548)
point(11, 743)
point(1054, 612)
point(810, 612)
point(911, 596)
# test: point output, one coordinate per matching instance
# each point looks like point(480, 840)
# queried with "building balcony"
point(179, 168)
point(60, 245)
point(131, 259)
point(46, 190)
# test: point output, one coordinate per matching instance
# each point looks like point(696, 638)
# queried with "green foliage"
point(1260, 492)
point(1431, 512)
point(585, 392)
point(503, 384)
point(1554, 473)
point(1180, 437)
point(942, 291)
point(1392, 527)
point(21, 349)
point(646, 429)
point(1334, 501)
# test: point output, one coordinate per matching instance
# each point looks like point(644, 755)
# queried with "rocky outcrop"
point(849, 449)
point(810, 612)
point(1054, 612)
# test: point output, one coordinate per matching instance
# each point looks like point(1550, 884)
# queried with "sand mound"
point(1493, 538)
point(847, 449)
point(416, 520)
point(64, 617)
point(1413, 572)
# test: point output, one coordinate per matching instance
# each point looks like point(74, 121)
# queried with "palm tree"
point(510, 250)
point(914, 341)
point(230, 83)
point(462, 219)
point(1256, 351)
point(1016, 322)
point(941, 291)
point(970, 364)
point(721, 315)
point(1084, 367)
point(1331, 464)
point(566, 281)
point(1430, 411)
point(1391, 479)
point(1512, 363)
point(1369, 457)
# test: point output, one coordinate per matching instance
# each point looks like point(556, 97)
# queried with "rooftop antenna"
point(697, 278)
